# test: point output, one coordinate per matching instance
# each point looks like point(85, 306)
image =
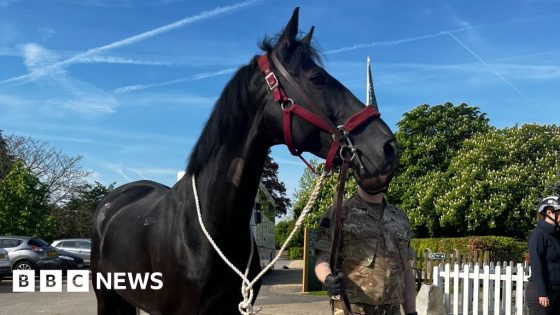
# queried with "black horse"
point(146, 227)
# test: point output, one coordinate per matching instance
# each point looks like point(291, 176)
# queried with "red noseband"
point(339, 133)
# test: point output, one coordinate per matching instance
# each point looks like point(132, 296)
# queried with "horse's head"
point(317, 111)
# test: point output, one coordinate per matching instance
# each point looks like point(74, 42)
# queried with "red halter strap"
point(340, 134)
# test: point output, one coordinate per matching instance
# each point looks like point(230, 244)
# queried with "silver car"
point(78, 246)
point(30, 253)
point(5, 264)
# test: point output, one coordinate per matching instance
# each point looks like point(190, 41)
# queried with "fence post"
point(486, 290)
point(447, 286)
point(497, 288)
point(486, 257)
point(519, 289)
point(456, 257)
point(466, 293)
point(476, 288)
point(428, 268)
point(456, 288)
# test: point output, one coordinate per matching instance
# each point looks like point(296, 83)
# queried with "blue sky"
point(128, 85)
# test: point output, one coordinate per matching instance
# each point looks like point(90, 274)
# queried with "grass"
point(317, 293)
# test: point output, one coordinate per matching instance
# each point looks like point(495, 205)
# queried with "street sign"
point(437, 256)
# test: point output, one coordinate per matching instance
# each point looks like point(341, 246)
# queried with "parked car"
point(78, 246)
point(30, 253)
point(5, 264)
point(69, 260)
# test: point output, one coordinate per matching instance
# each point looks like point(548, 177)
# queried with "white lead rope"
point(245, 307)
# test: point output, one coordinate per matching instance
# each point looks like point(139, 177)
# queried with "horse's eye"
point(318, 79)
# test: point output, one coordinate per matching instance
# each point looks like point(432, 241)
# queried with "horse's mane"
point(230, 109)
point(236, 105)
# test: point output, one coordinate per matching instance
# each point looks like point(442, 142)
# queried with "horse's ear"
point(288, 37)
point(307, 39)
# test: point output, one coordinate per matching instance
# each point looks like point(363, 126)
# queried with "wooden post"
point(305, 281)
point(309, 281)
point(428, 267)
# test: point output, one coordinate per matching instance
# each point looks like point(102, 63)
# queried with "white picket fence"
point(488, 290)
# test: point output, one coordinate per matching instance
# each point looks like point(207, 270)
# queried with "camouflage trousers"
point(366, 309)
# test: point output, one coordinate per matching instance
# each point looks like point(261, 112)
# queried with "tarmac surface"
point(280, 294)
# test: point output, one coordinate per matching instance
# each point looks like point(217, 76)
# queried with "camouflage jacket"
point(374, 247)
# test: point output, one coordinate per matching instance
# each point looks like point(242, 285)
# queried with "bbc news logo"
point(78, 281)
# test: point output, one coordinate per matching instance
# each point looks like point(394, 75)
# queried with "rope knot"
point(245, 308)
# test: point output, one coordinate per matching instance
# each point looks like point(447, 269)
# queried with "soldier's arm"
point(322, 247)
point(322, 269)
point(409, 291)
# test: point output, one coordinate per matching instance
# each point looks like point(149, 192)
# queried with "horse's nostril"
point(390, 150)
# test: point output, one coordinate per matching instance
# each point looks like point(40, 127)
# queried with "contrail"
point(488, 66)
point(390, 42)
point(422, 37)
point(199, 76)
point(131, 40)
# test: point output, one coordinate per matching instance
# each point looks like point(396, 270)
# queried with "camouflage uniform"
point(374, 247)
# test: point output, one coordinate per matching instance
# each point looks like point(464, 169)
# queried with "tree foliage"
point(276, 188)
point(429, 138)
point(326, 194)
point(62, 174)
point(493, 184)
point(6, 160)
point(282, 230)
point(75, 218)
point(24, 208)
point(459, 176)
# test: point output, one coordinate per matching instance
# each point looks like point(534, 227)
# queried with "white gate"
point(483, 290)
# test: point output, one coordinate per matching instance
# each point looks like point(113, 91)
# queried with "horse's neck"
point(228, 184)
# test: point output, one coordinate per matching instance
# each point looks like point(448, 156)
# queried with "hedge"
point(501, 246)
point(296, 253)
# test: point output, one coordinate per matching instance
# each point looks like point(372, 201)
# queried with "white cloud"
point(91, 104)
point(35, 56)
point(58, 93)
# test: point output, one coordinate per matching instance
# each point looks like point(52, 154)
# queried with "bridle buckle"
point(271, 81)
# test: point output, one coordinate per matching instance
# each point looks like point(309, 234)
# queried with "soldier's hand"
point(335, 284)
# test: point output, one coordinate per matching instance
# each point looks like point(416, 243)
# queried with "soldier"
point(543, 288)
point(374, 257)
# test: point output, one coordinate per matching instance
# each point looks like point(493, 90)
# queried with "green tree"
point(495, 180)
point(24, 208)
point(6, 159)
point(275, 187)
point(429, 138)
point(326, 195)
point(282, 230)
point(75, 218)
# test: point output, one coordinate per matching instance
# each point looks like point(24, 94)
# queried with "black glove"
point(335, 284)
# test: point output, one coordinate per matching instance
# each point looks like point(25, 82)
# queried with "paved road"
point(280, 294)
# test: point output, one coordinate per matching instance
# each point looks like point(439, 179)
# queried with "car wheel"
point(23, 265)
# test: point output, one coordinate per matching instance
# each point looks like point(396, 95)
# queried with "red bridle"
point(340, 134)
